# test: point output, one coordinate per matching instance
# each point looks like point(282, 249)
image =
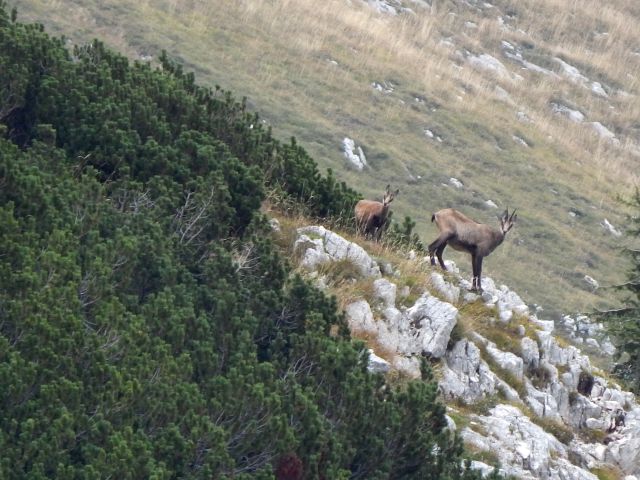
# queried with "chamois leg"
point(436, 248)
point(476, 266)
point(439, 251)
point(479, 272)
point(474, 269)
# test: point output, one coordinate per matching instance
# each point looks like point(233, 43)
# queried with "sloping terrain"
point(530, 105)
point(521, 396)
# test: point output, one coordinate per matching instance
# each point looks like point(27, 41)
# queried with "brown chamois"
point(466, 235)
point(372, 216)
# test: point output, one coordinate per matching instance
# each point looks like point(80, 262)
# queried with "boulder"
point(360, 317)
point(377, 364)
point(467, 377)
point(530, 353)
point(430, 322)
point(385, 291)
point(450, 292)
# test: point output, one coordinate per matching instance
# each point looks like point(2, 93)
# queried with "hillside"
point(530, 105)
point(150, 325)
point(182, 295)
point(520, 389)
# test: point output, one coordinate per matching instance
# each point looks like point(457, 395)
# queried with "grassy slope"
point(307, 67)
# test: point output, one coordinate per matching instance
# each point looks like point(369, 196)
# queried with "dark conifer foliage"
point(148, 328)
point(624, 323)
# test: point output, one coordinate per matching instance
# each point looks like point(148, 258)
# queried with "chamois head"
point(507, 221)
point(389, 195)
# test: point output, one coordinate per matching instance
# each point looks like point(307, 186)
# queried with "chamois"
point(372, 216)
point(466, 235)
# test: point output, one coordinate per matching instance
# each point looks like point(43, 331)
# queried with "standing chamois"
point(466, 235)
point(372, 216)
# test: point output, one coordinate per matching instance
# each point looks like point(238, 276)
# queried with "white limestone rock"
point(321, 245)
point(408, 366)
point(489, 63)
point(354, 155)
point(592, 282)
point(467, 377)
point(360, 317)
point(431, 321)
point(448, 290)
point(456, 183)
point(523, 448)
point(623, 449)
point(274, 224)
point(530, 353)
point(507, 301)
point(582, 409)
point(542, 403)
point(385, 291)
point(573, 115)
point(377, 364)
point(506, 360)
point(610, 228)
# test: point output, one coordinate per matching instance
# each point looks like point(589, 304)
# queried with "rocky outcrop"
point(319, 246)
point(563, 418)
point(465, 376)
point(525, 450)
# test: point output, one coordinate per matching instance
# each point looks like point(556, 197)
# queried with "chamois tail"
point(433, 218)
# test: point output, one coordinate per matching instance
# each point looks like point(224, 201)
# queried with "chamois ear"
point(388, 188)
point(396, 192)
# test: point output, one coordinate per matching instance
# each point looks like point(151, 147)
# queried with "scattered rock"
point(377, 364)
point(467, 377)
point(604, 133)
point(490, 64)
point(384, 290)
point(520, 141)
point(355, 156)
point(384, 87)
point(610, 228)
point(592, 282)
point(571, 72)
point(573, 115)
point(360, 317)
point(456, 183)
point(558, 380)
point(274, 224)
point(432, 321)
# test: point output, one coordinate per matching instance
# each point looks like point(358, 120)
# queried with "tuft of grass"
point(476, 317)
point(592, 435)
point(608, 472)
point(486, 456)
point(555, 427)
point(340, 273)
